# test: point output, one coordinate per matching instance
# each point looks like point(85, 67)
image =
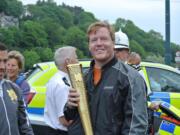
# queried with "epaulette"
point(136, 67)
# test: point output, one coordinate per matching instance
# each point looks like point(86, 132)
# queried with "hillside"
point(46, 26)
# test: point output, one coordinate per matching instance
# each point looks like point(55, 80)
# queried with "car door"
point(164, 84)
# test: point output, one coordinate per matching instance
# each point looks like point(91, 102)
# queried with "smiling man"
point(114, 103)
point(14, 119)
point(3, 59)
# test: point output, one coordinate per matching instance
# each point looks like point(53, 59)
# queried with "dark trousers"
point(52, 131)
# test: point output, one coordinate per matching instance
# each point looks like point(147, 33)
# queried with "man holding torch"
point(116, 95)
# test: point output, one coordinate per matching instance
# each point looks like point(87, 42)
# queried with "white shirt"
point(56, 97)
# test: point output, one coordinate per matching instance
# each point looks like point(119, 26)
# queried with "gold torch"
point(77, 81)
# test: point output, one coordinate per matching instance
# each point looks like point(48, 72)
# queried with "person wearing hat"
point(121, 47)
point(122, 50)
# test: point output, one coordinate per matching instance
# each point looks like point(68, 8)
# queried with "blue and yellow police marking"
point(160, 96)
point(175, 99)
point(35, 110)
point(171, 98)
point(168, 128)
point(172, 110)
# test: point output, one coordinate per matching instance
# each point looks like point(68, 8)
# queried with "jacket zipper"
point(1, 95)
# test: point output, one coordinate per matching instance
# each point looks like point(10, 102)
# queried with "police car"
point(37, 79)
point(163, 80)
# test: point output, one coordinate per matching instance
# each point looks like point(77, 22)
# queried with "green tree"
point(17, 34)
point(7, 37)
point(14, 8)
point(65, 18)
point(84, 19)
point(154, 58)
point(74, 10)
point(3, 5)
point(54, 31)
point(49, 10)
point(135, 47)
point(45, 55)
point(34, 13)
point(34, 35)
point(155, 34)
point(80, 54)
point(120, 23)
point(77, 38)
point(31, 57)
point(58, 46)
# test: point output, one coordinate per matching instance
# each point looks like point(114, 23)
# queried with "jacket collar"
point(109, 64)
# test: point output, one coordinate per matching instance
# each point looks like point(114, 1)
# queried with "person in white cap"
point(121, 47)
point(122, 50)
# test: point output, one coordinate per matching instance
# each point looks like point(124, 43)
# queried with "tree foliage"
point(31, 57)
point(147, 44)
point(7, 37)
point(55, 32)
point(76, 37)
point(155, 58)
point(135, 47)
point(34, 35)
point(11, 7)
point(46, 26)
point(45, 55)
point(3, 5)
point(14, 8)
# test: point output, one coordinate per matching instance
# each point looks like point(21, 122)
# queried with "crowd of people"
point(117, 93)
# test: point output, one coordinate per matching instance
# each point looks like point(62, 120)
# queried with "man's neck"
point(64, 70)
point(100, 64)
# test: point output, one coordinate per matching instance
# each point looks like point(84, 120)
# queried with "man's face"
point(101, 46)
point(122, 54)
point(3, 59)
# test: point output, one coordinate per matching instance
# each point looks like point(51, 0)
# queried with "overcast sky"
point(146, 14)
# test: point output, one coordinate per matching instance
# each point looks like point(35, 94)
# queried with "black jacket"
point(13, 116)
point(117, 103)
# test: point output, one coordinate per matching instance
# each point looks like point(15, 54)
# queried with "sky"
point(146, 14)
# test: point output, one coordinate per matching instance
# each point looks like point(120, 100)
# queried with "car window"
point(31, 74)
point(163, 80)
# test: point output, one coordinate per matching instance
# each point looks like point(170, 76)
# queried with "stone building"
point(7, 21)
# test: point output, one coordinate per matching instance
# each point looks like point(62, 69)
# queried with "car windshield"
point(163, 80)
point(32, 73)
